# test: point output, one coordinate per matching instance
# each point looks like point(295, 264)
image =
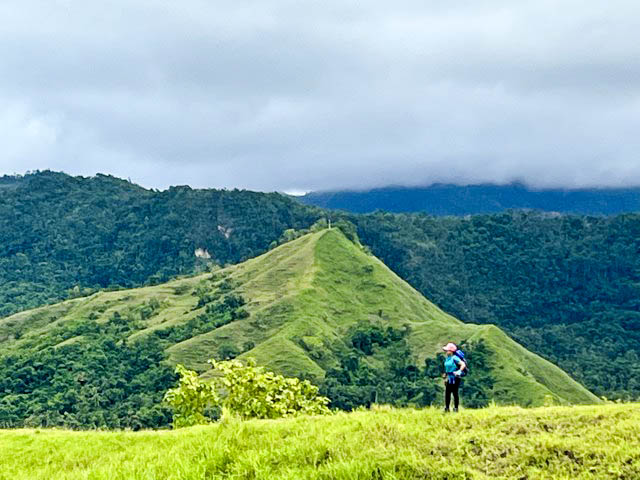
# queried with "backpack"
point(460, 354)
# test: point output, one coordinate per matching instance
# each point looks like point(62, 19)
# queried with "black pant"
point(449, 389)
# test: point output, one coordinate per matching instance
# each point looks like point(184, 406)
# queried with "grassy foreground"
point(599, 442)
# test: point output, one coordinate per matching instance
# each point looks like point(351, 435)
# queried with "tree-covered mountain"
point(318, 307)
point(443, 199)
point(63, 235)
point(565, 286)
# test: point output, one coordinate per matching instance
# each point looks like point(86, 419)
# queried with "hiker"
point(454, 367)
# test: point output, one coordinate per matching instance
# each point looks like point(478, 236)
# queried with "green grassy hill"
point(293, 309)
point(564, 286)
point(560, 443)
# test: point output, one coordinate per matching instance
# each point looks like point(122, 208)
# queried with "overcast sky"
point(294, 95)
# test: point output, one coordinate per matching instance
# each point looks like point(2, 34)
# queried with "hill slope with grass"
point(318, 307)
point(64, 236)
point(563, 443)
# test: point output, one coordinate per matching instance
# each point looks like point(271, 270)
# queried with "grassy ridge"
point(302, 298)
point(308, 293)
point(595, 442)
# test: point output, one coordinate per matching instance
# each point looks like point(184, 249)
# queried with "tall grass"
point(591, 442)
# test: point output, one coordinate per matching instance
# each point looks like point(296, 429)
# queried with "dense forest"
point(102, 381)
point(566, 286)
point(443, 199)
point(62, 236)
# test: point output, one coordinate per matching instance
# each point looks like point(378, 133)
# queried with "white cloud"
point(311, 95)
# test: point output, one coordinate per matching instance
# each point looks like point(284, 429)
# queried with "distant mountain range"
point(445, 199)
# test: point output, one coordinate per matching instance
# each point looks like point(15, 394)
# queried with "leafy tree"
point(253, 392)
point(247, 391)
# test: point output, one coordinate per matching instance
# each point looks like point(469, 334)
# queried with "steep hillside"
point(507, 443)
point(62, 236)
point(566, 287)
point(300, 309)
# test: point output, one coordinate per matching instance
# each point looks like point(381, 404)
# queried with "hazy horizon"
point(300, 193)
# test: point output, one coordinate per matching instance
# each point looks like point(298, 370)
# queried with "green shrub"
point(252, 392)
point(247, 391)
point(191, 399)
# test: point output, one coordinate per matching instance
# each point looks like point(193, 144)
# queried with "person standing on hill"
point(453, 367)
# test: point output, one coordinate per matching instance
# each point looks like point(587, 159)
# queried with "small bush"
point(247, 391)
